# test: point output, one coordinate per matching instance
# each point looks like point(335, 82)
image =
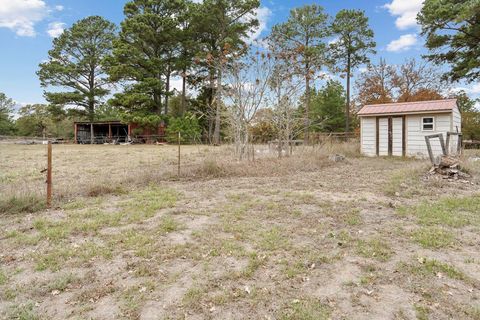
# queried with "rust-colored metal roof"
point(409, 107)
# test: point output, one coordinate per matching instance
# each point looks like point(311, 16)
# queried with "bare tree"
point(247, 80)
point(285, 95)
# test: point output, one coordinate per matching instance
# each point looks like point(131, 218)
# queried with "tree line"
point(244, 90)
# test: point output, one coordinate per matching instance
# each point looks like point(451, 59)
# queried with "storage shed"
point(399, 129)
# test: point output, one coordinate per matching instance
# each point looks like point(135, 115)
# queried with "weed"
point(306, 310)
point(273, 239)
point(254, 262)
point(21, 204)
point(104, 189)
point(402, 182)
point(24, 311)
point(421, 312)
point(427, 267)
point(168, 224)
point(454, 212)
point(3, 277)
point(62, 282)
point(146, 203)
point(375, 248)
point(192, 297)
point(433, 237)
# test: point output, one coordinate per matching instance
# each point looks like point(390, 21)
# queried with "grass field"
point(295, 238)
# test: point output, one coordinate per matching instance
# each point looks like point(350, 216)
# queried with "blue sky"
point(27, 28)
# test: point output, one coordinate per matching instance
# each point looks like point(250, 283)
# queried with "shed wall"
point(368, 136)
point(383, 136)
point(416, 146)
point(456, 120)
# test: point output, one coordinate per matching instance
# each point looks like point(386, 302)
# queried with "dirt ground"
point(358, 239)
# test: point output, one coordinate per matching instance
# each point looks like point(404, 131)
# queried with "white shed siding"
point(457, 120)
point(368, 136)
point(416, 145)
point(383, 137)
point(397, 136)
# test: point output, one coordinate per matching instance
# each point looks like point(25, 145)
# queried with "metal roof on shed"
point(409, 107)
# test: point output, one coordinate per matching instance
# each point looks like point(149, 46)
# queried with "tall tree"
point(351, 48)
point(414, 77)
point(328, 107)
point(6, 107)
point(34, 120)
point(412, 81)
point(301, 41)
point(222, 28)
point(77, 63)
point(375, 84)
point(452, 35)
point(144, 56)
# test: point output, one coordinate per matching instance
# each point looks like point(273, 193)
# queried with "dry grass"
point(98, 170)
point(300, 237)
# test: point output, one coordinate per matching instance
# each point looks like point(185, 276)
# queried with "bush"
point(188, 127)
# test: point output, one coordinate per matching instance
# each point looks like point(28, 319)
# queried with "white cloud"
point(406, 12)
point(59, 8)
point(20, 16)
point(262, 14)
point(404, 43)
point(55, 29)
point(473, 89)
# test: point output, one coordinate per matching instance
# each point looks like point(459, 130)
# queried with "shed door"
point(383, 136)
point(397, 136)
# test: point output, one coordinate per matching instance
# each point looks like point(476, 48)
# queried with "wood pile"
point(449, 168)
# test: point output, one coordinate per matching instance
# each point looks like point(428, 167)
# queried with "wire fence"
point(92, 170)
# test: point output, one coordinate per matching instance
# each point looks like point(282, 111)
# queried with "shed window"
point(428, 124)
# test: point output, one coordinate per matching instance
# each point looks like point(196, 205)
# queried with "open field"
point(296, 238)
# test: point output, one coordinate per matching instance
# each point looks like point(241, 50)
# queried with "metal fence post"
point(49, 175)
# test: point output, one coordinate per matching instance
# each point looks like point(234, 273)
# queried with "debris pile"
point(448, 167)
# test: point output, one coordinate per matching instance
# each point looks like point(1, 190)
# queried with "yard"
point(297, 238)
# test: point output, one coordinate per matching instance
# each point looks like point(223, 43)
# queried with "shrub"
point(187, 126)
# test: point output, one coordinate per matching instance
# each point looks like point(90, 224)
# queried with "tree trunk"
point(347, 107)
point(91, 116)
point(307, 111)
point(216, 132)
point(167, 90)
point(184, 91)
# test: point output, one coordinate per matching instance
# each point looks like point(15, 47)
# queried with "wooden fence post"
point(179, 138)
point(49, 175)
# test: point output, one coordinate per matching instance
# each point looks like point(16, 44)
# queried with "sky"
point(27, 28)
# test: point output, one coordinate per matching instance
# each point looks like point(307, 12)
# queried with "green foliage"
point(188, 127)
point(433, 237)
point(144, 54)
point(355, 40)
point(306, 310)
point(471, 125)
point(454, 212)
point(299, 42)
point(328, 107)
point(77, 63)
point(351, 49)
point(6, 123)
point(452, 35)
point(44, 120)
point(301, 37)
